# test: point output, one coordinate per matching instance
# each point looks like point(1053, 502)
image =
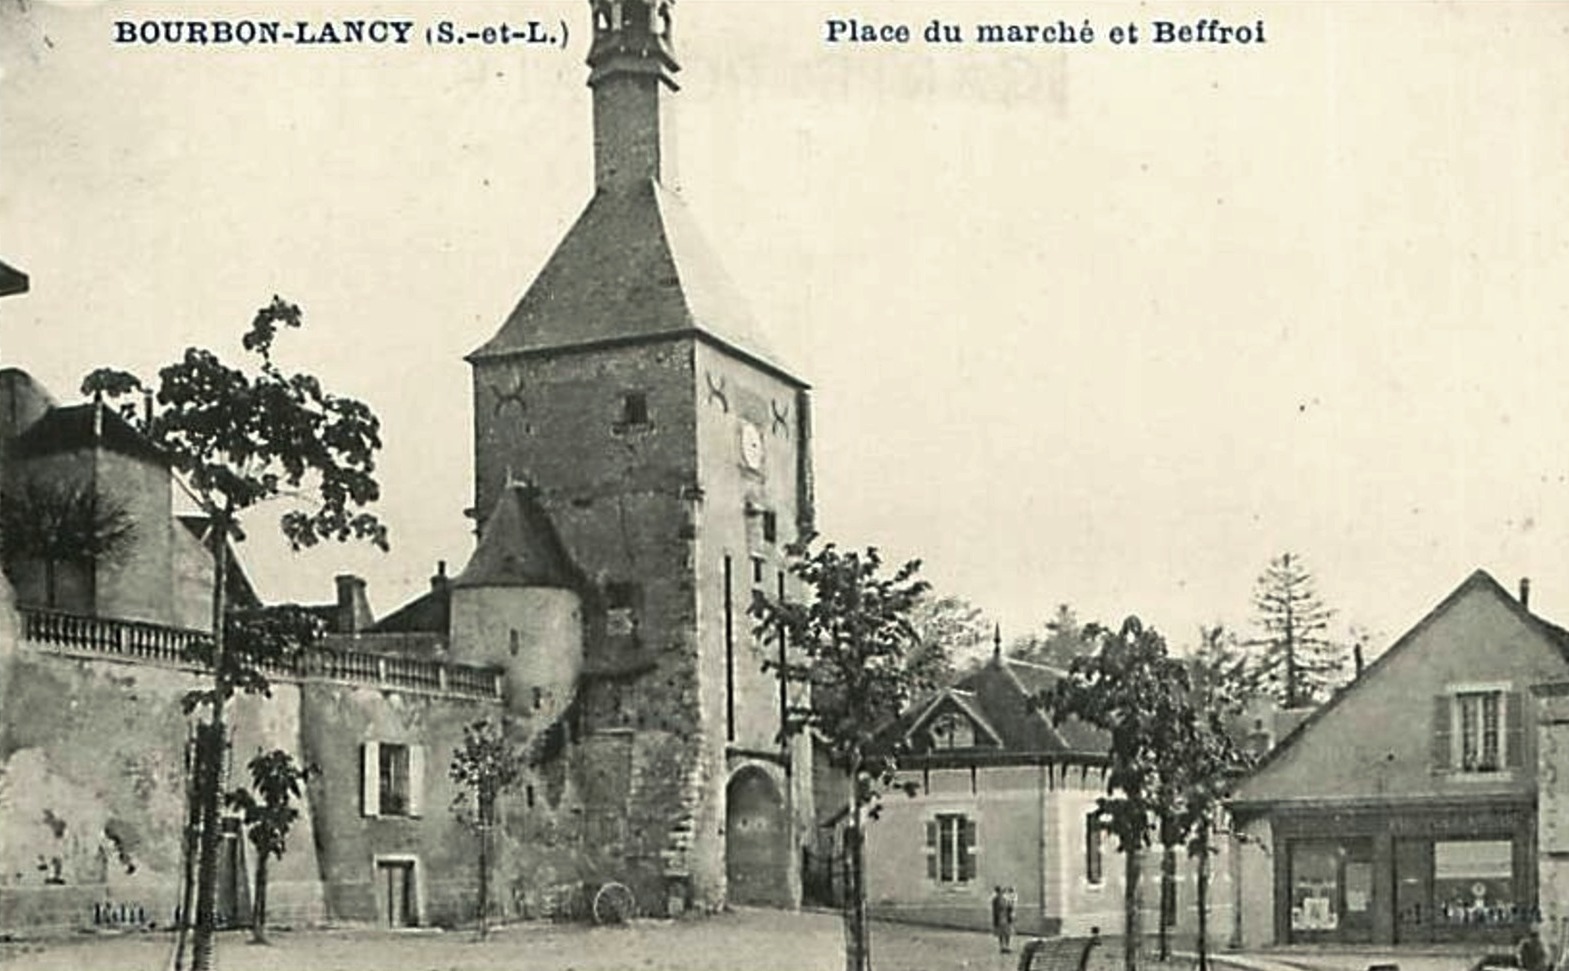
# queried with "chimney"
point(353, 613)
point(1525, 592)
point(439, 581)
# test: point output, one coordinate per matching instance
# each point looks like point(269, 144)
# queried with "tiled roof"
point(1000, 693)
point(633, 267)
point(72, 427)
point(1478, 580)
point(431, 612)
point(519, 547)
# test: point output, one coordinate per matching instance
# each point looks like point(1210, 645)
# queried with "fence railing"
point(139, 641)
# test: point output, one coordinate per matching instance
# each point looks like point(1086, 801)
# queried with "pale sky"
point(1099, 325)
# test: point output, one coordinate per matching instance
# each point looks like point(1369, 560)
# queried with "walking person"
point(1533, 953)
point(998, 906)
point(1010, 904)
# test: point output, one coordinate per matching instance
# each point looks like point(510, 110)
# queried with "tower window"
point(770, 526)
point(634, 408)
point(757, 569)
point(621, 595)
point(621, 604)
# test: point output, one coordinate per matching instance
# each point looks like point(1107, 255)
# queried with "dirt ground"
point(747, 940)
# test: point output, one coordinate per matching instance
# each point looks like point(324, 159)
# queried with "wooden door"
point(396, 881)
point(1413, 891)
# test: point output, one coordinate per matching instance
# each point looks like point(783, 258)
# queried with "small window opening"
point(634, 408)
point(770, 526)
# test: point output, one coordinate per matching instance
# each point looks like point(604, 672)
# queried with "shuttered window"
point(392, 779)
point(1478, 731)
point(951, 848)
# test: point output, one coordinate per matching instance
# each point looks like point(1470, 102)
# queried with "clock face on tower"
point(751, 446)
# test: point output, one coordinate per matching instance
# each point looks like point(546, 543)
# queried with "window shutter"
point(931, 849)
point(1514, 729)
point(966, 849)
point(1442, 730)
point(416, 780)
point(370, 779)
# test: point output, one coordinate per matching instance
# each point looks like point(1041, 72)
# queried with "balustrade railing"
point(157, 644)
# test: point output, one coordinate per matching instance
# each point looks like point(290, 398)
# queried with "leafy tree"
point(1063, 639)
point(856, 650)
point(276, 779)
point(240, 439)
point(1223, 667)
point(1213, 762)
point(63, 522)
point(953, 630)
point(1140, 696)
point(484, 766)
point(1298, 662)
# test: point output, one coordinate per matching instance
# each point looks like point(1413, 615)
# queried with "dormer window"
point(952, 730)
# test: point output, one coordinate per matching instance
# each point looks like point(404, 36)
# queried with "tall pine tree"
point(1298, 662)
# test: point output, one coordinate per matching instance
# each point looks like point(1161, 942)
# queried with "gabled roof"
point(947, 701)
point(519, 547)
point(1478, 581)
point(65, 429)
point(998, 697)
point(429, 613)
point(634, 267)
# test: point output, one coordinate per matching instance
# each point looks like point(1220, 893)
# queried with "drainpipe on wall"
point(1040, 837)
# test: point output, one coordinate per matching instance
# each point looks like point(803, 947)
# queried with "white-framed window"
point(1478, 729)
point(951, 849)
point(392, 779)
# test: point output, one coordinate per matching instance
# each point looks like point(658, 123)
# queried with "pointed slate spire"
point(519, 547)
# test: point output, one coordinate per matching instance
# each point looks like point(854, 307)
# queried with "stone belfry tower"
point(670, 448)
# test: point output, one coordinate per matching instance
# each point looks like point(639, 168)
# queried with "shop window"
point(951, 849)
point(1473, 882)
point(1332, 889)
point(1315, 887)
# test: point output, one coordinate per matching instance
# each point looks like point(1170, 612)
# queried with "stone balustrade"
point(141, 642)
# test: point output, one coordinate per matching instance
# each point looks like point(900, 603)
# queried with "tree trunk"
point(188, 848)
point(1133, 925)
point(1168, 905)
point(857, 952)
point(259, 908)
point(209, 781)
point(1203, 901)
point(484, 880)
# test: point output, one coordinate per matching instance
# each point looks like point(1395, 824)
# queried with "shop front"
point(1411, 876)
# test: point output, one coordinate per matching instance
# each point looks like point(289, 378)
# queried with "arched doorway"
point(757, 840)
